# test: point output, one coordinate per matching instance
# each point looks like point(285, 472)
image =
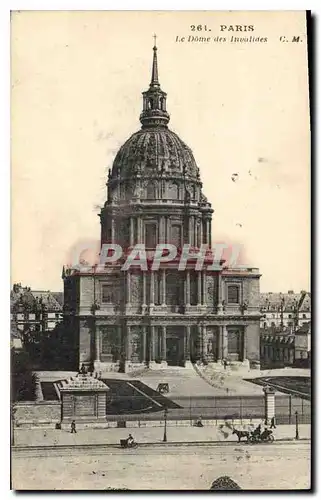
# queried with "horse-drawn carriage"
point(255, 436)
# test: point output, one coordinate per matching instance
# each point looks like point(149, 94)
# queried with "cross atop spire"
point(154, 36)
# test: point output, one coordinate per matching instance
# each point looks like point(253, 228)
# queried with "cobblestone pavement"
point(50, 437)
point(276, 466)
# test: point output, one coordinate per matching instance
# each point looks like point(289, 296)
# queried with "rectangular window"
point(107, 294)
point(150, 235)
point(233, 294)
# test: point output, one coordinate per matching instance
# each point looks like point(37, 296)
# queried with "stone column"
point(203, 280)
point(224, 342)
point(200, 341)
point(204, 350)
point(218, 354)
point(144, 291)
point(162, 230)
point(201, 232)
point(97, 344)
point(219, 293)
point(190, 232)
point(113, 229)
point(139, 230)
point(163, 301)
point(199, 288)
point(152, 343)
point(152, 347)
point(244, 339)
point(131, 234)
point(128, 294)
point(188, 288)
point(143, 360)
point(128, 344)
point(152, 288)
point(164, 356)
point(188, 363)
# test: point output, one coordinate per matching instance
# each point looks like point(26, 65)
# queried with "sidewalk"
point(53, 437)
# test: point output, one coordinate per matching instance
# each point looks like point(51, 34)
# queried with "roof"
point(24, 297)
point(59, 296)
point(154, 151)
point(272, 301)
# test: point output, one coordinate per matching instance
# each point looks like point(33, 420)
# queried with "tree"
point(23, 380)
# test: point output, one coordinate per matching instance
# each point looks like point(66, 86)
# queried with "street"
point(276, 466)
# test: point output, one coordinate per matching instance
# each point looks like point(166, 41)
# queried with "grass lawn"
point(298, 386)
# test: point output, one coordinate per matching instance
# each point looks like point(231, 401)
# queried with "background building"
point(285, 309)
point(286, 347)
point(118, 319)
point(35, 310)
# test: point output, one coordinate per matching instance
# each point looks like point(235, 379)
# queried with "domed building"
point(119, 319)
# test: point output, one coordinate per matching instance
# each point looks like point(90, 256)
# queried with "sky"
point(242, 108)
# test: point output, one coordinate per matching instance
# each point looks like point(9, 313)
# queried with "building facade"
point(119, 319)
point(285, 309)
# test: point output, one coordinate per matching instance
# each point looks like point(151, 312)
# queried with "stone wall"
point(37, 412)
point(253, 292)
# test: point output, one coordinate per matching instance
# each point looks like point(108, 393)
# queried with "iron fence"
point(189, 409)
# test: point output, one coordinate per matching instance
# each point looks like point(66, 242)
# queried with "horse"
point(241, 434)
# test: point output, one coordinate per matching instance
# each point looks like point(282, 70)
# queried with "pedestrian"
point(273, 426)
point(199, 422)
point(73, 427)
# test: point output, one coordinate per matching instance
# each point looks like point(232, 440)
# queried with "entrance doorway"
point(175, 349)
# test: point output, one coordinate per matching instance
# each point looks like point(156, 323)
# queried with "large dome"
point(154, 151)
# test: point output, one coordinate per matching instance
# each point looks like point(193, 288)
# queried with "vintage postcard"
point(160, 296)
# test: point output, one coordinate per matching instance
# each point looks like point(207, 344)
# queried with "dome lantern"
point(154, 112)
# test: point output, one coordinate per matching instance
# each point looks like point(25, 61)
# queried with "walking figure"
point(83, 369)
point(73, 427)
point(273, 426)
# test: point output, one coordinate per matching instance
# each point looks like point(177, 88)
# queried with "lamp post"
point(165, 425)
point(296, 426)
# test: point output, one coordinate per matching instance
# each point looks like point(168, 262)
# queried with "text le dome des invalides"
point(122, 319)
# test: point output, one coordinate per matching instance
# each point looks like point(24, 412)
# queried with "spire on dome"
point(154, 112)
